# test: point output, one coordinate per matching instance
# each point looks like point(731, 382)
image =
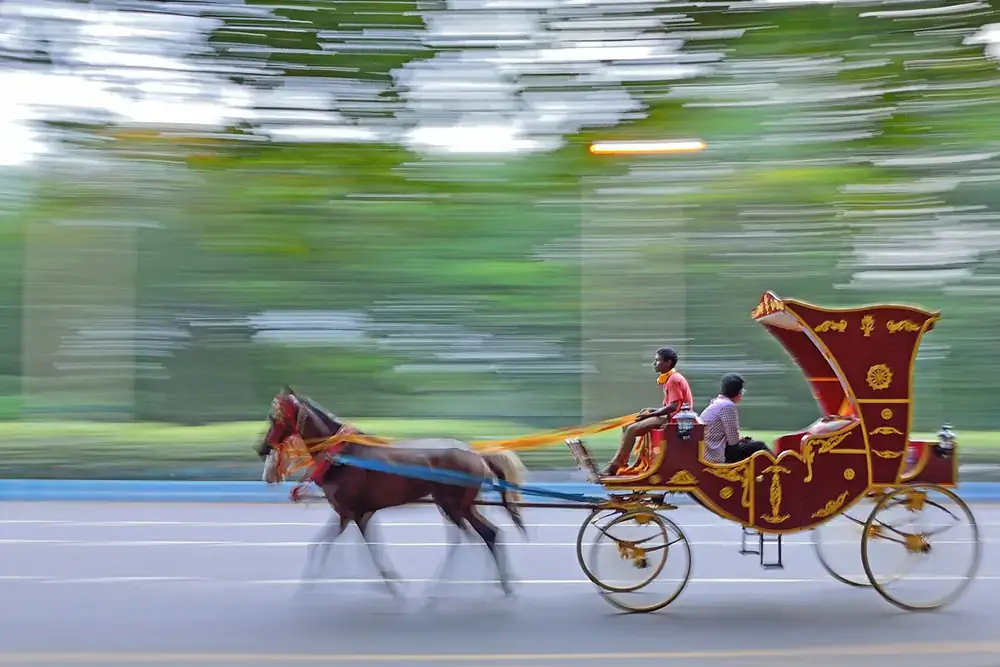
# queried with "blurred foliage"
point(851, 159)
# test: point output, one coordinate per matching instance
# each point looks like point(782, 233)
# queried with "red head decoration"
point(282, 421)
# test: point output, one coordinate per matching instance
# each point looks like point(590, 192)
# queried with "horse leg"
point(388, 576)
point(458, 529)
point(489, 533)
point(319, 551)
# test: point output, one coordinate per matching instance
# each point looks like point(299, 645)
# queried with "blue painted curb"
point(258, 492)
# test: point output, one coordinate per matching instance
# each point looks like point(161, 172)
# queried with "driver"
point(676, 394)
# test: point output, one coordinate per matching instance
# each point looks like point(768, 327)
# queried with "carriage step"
point(762, 540)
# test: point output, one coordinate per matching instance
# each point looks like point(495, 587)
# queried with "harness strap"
point(329, 456)
point(457, 478)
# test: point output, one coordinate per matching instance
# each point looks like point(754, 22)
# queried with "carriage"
point(854, 469)
point(854, 466)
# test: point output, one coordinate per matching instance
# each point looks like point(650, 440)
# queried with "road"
point(192, 584)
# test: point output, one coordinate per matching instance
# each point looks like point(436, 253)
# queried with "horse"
point(356, 493)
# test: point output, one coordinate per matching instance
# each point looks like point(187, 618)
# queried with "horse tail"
point(507, 467)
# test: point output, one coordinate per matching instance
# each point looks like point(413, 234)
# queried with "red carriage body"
point(859, 364)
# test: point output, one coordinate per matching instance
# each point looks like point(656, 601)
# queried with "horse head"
point(293, 421)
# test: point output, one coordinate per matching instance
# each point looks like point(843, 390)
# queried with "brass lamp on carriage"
point(945, 441)
point(685, 419)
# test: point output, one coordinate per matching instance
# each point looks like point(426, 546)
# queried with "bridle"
point(294, 444)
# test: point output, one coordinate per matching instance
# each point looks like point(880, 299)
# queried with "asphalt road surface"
point(213, 584)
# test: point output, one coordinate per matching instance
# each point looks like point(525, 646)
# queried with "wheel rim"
point(671, 544)
point(596, 520)
point(837, 544)
point(823, 546)
point(915, 520)
point(629, 550)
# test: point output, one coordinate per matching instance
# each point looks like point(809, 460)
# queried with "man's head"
point(666, 358)
point(732, 387)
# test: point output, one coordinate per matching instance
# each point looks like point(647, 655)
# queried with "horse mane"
point(328, 418)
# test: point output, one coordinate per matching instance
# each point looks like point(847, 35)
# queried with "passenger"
point(676, 394)
point(723, 443)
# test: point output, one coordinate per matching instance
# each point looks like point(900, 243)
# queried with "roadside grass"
point(82, 450)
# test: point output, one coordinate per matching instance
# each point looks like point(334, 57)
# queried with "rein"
point(304, 455)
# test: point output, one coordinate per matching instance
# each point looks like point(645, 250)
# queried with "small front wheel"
point(933, 530)
point(628, 555)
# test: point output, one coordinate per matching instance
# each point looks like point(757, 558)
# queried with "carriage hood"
point(850, 356)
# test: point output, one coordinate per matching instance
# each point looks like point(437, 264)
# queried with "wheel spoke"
point(916, 548)
point(837, 544)
point(626, 555)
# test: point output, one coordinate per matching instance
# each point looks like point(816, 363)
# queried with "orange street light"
point(646, 147)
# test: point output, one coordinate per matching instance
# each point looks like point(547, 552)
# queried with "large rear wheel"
point(838, 546)
point(932, 530)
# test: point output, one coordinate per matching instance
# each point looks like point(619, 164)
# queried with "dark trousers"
point(744, 450)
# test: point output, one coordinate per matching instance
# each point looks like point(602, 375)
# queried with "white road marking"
point(116, 580)
point(461, 582)
point(300, 544)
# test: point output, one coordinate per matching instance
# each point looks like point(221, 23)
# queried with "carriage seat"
point(793, 441)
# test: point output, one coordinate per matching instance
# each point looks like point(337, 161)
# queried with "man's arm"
point(664, 411)
point(731, 423)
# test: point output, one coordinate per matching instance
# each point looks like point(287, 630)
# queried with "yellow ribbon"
point(541, 439)
point(299, 449)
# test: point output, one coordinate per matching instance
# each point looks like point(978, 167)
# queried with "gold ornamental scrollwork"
point(767, 306)
point(902, 325)
point(738, 474)
point(867, 325)
point(831, 506)
point(885, 430)
point(879, 377)
point(886, 453)
point(682, 478)
point(775, 516)
point(726, 493)
point(813, 446)
point(840, 326)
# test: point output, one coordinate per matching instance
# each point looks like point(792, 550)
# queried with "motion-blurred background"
point(391, 206)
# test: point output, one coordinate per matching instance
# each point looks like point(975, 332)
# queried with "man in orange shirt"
point(676, 394)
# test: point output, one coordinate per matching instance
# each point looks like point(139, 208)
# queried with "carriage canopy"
point(852, 357)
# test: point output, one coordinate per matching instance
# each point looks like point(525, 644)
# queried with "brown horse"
point(356, 493)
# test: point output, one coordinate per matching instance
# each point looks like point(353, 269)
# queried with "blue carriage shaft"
point(463, 479)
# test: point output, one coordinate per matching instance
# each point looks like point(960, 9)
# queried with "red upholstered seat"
point(788, 441)
point(822, 426)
